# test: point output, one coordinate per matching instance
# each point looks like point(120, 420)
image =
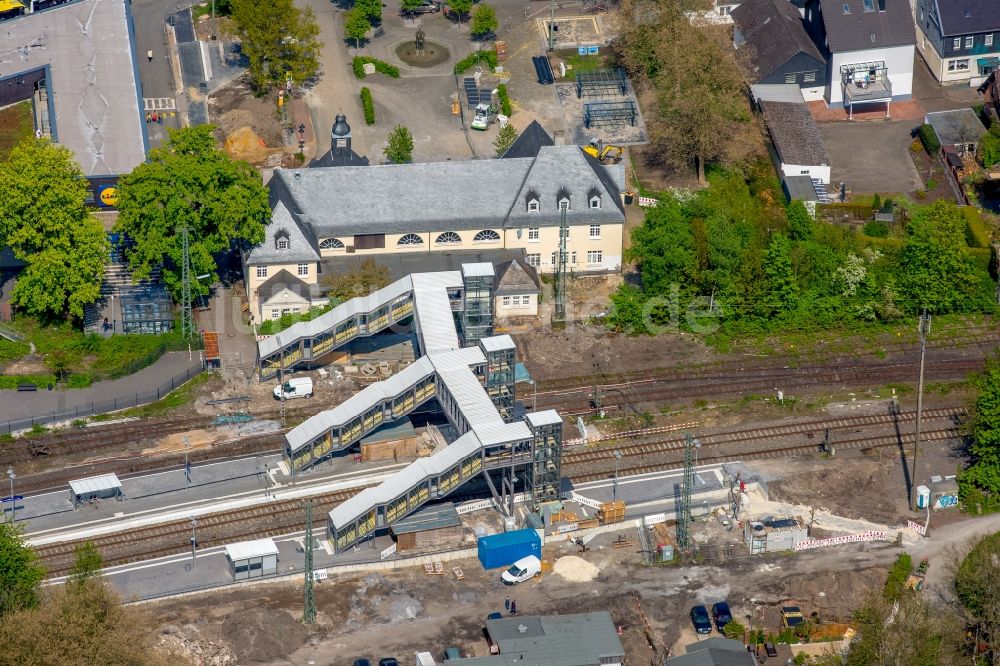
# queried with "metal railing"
point(91, 408)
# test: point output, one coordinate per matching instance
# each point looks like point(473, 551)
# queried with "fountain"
point(421, 52)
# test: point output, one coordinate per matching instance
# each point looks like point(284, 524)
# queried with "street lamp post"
point(13, 502)
point(819, 618)
point(194, 539)
point(614, 490)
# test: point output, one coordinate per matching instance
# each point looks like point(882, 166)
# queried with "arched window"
point(486, 235)
point(448, 237)
point(410, 239)
point(330, 244)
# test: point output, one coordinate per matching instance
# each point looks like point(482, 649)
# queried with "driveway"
point(872, 156)
point(149, 20)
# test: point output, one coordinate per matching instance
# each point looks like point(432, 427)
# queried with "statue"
point(420, 39)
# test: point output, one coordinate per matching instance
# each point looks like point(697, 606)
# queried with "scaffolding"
point(609, 114)
point(477, 314)
point(146, 309)
point(602, 83)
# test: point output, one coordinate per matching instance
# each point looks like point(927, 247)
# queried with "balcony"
point(865, 83)
point(856, 92)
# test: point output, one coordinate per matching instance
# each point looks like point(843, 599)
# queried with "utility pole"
point(309, 601)
point(614, 490)
point(194, 539)
point(552, 26)
point(684, 517)
point(281, 378)
point(924, 328)
point(561, 267)
point(187, 322)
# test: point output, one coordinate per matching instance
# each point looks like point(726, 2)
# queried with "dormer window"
point(595, 203)
point(283, 243)
point(563, 204)
point(594, 198)
point(532, 205)
point(281, 240)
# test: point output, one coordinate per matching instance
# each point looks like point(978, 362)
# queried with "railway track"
point(282, 517)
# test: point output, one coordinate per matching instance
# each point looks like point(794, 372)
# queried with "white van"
point(522, 570)
point(299, 387)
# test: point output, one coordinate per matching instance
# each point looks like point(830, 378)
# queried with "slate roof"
point(516, 278)
point(795, 134)
point(556, 640)
point(529, 142)
point(93, 79)
point(776, 92)
point(438, 196)
point(854, 31)
point(401, 264)
point(713, 651)
point(774, 30)
point(300, 246)
point(983, 16)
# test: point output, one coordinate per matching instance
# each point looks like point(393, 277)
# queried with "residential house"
point(713, 651)
point(797, 141)
point(320, 215)
point(960, 39)
point(869, 49)
point(781, 51)
point(517, 290)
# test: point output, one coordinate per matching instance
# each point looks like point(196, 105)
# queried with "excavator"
point(608, 154)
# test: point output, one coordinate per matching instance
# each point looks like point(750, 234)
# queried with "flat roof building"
point(252, 559)
point(91, 488)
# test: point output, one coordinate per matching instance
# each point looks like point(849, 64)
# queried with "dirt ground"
point(248, 127)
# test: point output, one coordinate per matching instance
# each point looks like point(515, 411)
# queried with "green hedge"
point(976, 234)
point(930, 140)
point(489, 57)
point(11, 351)
point(504, 100)
point(877, 230)
point(10, 382)
point(369, 106)
point(79, 380)
point(358, 64)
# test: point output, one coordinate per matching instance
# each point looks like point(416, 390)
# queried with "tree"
point(279, 40)
point(484, 20)
point(460, 7)
point(81, 624)
point(983, 474)
point(372, 9)
point(356, 25)
point(782, 288)
point(87, 564)
point(365, 279)
point(399, 148)
point(903, 633)
point(701, 113)
point(989, 146)
point(977, 582)
point(45, 222)
point(189, 182)
point(20, 572)
point(799, 221)
point(505, 139)
point(61, 360)
point(936, 272)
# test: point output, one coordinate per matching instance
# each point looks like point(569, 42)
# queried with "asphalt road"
point(149, 17)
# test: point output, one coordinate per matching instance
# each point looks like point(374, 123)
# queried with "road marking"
point(159, 104)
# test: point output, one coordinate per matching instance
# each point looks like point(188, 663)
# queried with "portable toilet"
point(923, 497)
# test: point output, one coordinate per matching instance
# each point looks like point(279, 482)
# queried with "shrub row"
point(10, 382)
point(976, 234)
point(930, 140)
point(504, 100)
point(369, 106)
point(380, 66)
point(488, 57)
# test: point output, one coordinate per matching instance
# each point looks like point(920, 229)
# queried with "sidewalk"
point(20, 410)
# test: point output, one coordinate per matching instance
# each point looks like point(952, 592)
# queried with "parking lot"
point(872, 156)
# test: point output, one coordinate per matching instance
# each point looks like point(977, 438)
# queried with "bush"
point(896, 582)
point(10, 382)
point(369, 106)
point(382, 67)
point(921, 194)
point(79, 380)
point(877, 230)
point(504, 100)
point(976, 234)
point(488, 57)
point(931, 184)
point(929, 138)
point(10, 351)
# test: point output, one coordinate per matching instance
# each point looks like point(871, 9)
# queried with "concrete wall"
point(898, 60)
point(813, 171)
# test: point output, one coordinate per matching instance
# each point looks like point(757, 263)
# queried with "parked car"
point(522, 570)
point(388, 661)
point(495, 616)
point(700, 620)
point(722, 615)
point(452, 653)
point(428, 7)
point(791, 616)
point(362, 662)
point(299, 387)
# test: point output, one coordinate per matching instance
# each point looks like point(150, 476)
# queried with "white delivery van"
point(523, 569)
point(299, 387)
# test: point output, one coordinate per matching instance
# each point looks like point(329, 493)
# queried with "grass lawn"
point(15, 124)
point(578, 64)
point(176, 398)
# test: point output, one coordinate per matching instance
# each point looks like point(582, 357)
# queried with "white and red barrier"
point(917, 527)
point(872, 535)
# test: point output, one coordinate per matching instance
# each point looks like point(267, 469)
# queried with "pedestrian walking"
point(506, 604)
point(148, 118)
point(513, 607)
point(159, 118)
point(149, 54)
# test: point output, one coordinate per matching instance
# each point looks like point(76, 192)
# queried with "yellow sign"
point(109, 196)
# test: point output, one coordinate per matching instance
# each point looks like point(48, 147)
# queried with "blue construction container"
point(501, 550)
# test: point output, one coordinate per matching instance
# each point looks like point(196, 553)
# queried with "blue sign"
point(15, 498)
point(581, 50)
point(593, 50)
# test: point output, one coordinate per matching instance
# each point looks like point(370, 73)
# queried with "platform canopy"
point(95, 484)
point(246, 550)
